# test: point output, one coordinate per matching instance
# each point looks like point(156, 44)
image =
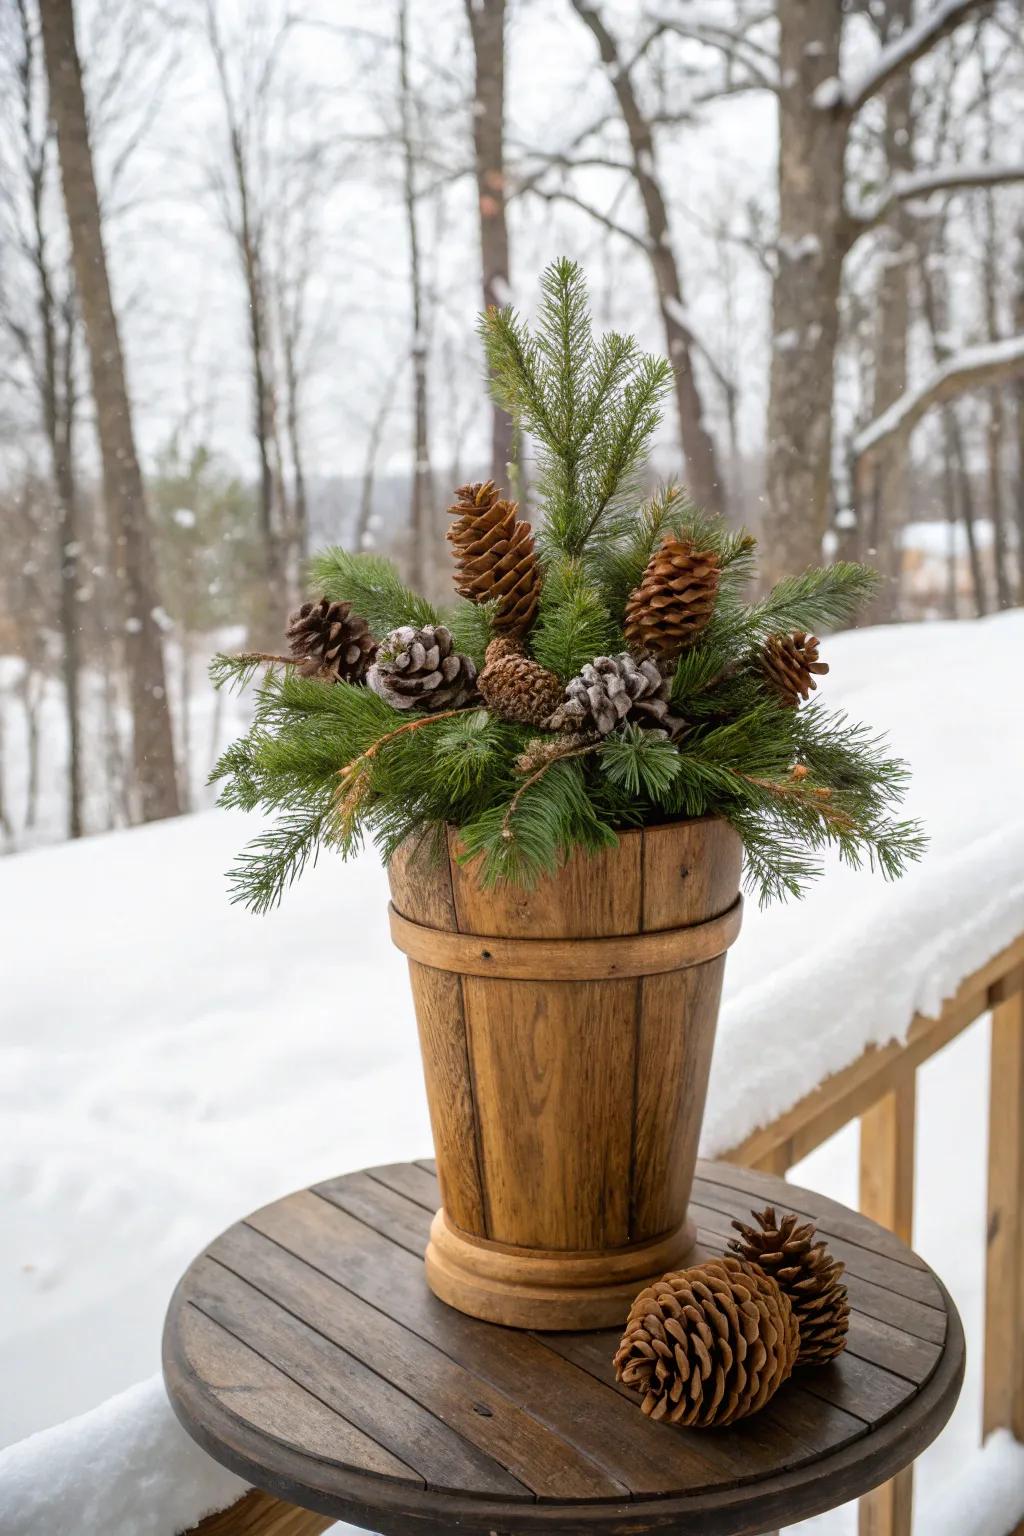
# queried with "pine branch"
point(573, 625)
point(373, 587)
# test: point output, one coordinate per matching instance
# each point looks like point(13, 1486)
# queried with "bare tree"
point(246, 106)
point(487, 27)
point(702, 467)
point(152, 739)
point(47, 348)
point(817, 229)
point(422, 490)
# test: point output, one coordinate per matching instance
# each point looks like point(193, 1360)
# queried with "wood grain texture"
point(567, 1035)
point(258, 1514)
point(1003, 1391)
point(440, 1020)
point(305, 1351)
point(676, 1021)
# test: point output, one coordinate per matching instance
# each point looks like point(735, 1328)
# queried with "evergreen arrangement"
point(599, 670)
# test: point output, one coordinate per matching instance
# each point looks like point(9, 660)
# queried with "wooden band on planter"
point(639, 954)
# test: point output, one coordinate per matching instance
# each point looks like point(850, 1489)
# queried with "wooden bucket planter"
point(566, 1035)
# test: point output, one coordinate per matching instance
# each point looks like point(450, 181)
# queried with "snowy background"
point(168, 1062)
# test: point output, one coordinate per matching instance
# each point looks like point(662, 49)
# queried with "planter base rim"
point(524, 1288)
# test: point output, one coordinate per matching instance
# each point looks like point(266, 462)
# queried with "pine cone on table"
point(708, 1345)
point(331, 641)
point(675, 598)
point(809, 1275)
point(611, 690)
point(420, 669)
point(516, 687)
point(495, 558)
point(789, 663)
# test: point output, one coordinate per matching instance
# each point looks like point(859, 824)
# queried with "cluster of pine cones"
point(712, 1344)
point(419, 668)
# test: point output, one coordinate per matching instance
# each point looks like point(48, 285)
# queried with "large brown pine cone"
point(495, 557)
point(331, 641)
point(675, 598)
point(515, 687)
point(420, 669)
point(708, 1345)
point(809, 1275)
point(611, 690)
point(789, 663)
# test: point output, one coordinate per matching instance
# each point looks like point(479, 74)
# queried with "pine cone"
point(515, 687)
point(808, 1274)
point(788, 663)
point(675, 598)
point(495, 557)
point(708, 1345)
point(420, 669)
point(334, 642)
point(613, 689)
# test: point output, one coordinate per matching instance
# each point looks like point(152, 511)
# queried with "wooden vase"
point(566, 1035)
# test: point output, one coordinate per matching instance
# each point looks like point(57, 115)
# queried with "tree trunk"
point(702, 470)
point(881, 539)
point(152, 741)
point(422, 491)
point(487, 26)
point(805, 291)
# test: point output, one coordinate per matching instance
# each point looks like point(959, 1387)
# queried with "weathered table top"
point(304, 1350)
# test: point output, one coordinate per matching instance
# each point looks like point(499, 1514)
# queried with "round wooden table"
point(305, 1352)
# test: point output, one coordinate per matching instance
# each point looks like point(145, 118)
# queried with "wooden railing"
point(879, 1089)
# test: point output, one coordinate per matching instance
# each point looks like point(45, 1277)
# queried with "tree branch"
point(974, 368)
point(896, 57)
point(950, 178)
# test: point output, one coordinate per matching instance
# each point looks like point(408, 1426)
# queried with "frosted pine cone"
point(420, 669)
point(331, 641)
point(611, 690)
point(708, 1345)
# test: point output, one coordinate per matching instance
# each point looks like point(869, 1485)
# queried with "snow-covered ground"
point(167, 1062)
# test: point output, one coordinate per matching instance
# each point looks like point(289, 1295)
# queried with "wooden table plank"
point(489, 1418)
point(264, 1399)
point(441, 1457)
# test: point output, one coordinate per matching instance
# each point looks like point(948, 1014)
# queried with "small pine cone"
point(515, 687)
point(675, 598)
point(331, 640)
point(611, 690)
point(495, 557)
point(708, 1345)
point(789, 663)
point(808, 1274)
point(420, 669)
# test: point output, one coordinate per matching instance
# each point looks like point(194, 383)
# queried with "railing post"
point(887, 1196)
point(1003, 1398)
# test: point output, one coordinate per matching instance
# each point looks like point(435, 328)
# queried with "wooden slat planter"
point(566, 1034)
